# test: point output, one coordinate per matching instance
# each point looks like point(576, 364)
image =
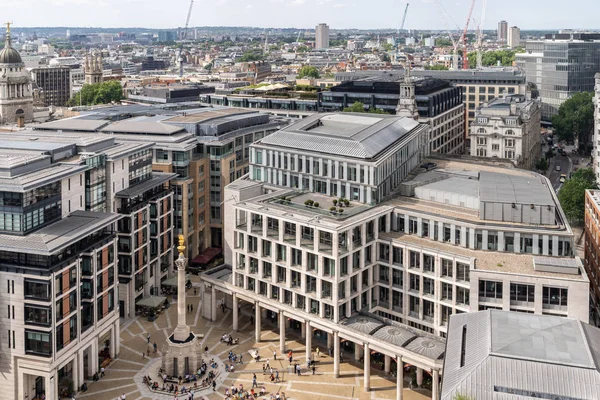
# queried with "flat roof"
point(120, 150)
point(32, 180)
point(74, 124)
point(158, 178)
point(58, 235)
point(344, 134)
point(208, 114)
point(503, 188)
point(153, 125)
point(15, 158)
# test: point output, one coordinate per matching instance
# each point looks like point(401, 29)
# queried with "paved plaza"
point(124, 375)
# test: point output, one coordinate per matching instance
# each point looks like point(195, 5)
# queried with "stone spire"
point(407, 105)
point(182, 331)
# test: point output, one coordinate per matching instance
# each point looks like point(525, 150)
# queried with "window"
point(509, 142)
point(462, 272)
point(481, 153)
point(490, 289)
point(552, 296)
point(481, 141)
point(37, 290)
point(37, 343)
point(35, 315)
point(522, 293)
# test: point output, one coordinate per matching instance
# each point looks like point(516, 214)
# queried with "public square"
point(124, 375)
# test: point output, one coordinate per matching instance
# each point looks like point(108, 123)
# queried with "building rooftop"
point(32, 180)
point(491, 353)
point(59, 235)
point(158, 178)
point(149, 125)
point(360, 136)
point(76, 124)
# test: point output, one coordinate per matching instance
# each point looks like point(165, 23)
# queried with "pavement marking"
point(131, 333)
point(198, 313)
point(110, 390)
point(131, 362)
point(329, 395)
point(206, 336)
point(155, 325)
point(225, 317)
point(137, 321)
point(168, 318)
point(122, 369)
point(115, 379)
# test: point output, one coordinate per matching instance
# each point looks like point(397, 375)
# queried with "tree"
point(575, 118)
point(98, 93)
point(385, 57)
point(358, 107)
point(387, 47)
point(461, 397)
point(308, 71)
point(572, 194)
point(209, 66)
point(437, 67)
point(443, 42)
point(542, 164)
point(252, 55)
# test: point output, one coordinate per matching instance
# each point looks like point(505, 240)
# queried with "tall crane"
point(403, 19)
point(455, 43)
point(185, 30)
point(266, 41)
point(480, 33)
point(464, 36)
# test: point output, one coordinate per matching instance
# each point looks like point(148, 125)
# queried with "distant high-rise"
point(514, 37)
point(322, 36)
point(502, 31)
point(55, 83)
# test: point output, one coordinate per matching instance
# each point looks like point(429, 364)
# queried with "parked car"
point(558, 167)
point(563, 178)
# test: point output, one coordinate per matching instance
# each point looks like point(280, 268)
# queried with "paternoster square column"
point(182, 331)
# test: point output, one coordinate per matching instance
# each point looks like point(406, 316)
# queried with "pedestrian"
point(254, 384)
point(102, 372)
point(143, 354)
point(155, 348)
point(194, 295)
point(275, 355)
point(298, 369)
point(276, 376)
point(264, 369)
point(148, 338)
point(214, 385)
point(123, 396)
point(192, 306)
point(341, 356)
point(188, 308)
point(271, 371)
point(251, 318)
point(318, 352)
point(290, 359)
point(313, 369)
point(330, 351)
point(241, 358)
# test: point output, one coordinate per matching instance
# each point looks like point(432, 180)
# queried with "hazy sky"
point(422, 14)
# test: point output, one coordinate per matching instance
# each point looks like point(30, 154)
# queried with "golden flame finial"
point(8, 24)
point(181, 247)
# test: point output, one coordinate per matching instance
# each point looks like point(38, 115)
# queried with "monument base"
point(182, 357)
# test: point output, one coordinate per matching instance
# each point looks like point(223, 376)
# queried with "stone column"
point(281, 332)
point(51, 387)
point(182, 331)
point(117, 339)
point(358, 351)
point(399, 378)
point(76, 381)
point(387, 364)
point(419, 376)
point(309, 334)
point(113, 339)
point(235, 312)
point(336, 354)
point(257, 322)
point(303, 330)
point(435, 381)
point(367, 367)
point(213, 304)
point(94, 356)
point(329, 340)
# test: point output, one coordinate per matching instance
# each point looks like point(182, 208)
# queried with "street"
point(566, 165)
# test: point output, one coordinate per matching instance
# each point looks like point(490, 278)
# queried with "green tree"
point(387, 46)
point(358, 107)
point(209, 66)
point(98, 93)
point(443, 42)
point(302, 49)
point(308, 71)
point(572, 194)
point(252, 55)
point(542, 164)
point(385, 57)
point(437, 67)
point(575, 118)
point(461, 397)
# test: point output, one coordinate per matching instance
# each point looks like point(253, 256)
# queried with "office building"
point(508, 127)
point(560, 65)
point(591, 259)
point(420, 239)
point(16, 98)
point(498, 354)
point(55, 84)
point(176, 93)
point(167, 36)
point(322, 36)
point(502, 31)
point(596, 134)
point(207, 148)
point(514, 37)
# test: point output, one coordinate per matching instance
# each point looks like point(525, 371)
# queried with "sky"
point(341, 14)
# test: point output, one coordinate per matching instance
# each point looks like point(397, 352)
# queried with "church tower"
point(93, 68)
point(16, 99)
point(407, 105)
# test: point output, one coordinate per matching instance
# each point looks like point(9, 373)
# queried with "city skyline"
point(339, 14)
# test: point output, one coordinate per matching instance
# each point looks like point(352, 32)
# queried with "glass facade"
point(25, 212)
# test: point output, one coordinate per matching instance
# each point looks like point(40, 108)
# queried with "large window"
point(37, 343)
point(37, 290)
point(35, 315)
point(490, 289)
point(554, 296)
point(522, 293)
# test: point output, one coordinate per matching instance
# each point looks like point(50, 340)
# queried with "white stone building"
point(385, 275)
point(508, 127)
point(596, 137)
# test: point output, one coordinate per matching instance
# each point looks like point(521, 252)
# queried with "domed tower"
point(16, 99)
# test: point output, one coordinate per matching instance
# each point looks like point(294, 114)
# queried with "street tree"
point(575, 118)
point(308, 71)
point(98, 93)
point(572, 194)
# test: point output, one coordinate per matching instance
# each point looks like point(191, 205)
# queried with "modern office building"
point(167, 36)
point(59, 267)
point(596, 134)
point(422, 238)
point(322, 36)
point(16, 98)
point(502, 31)
point(560, 65)
point(508, 127)
point(177, 93)
point(591, 259)
point(207, 148)
point(55, 83)
point(514, 37)
point(503, 355)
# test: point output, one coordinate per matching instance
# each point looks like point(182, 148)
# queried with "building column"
point(419, 376)
point(303, 330)
point(213, 304)
point(257, 322)
point(235, 312)
point(76, 367)
point(113, 339)
point(329, 340)
point(309, 334)
point(399, 378)
point(336, 354)
point(117, 340)
point(281, 332)
point(435, 382)
point(367, 367)
point(358, 352)
point(94, 356)
point(387, 364)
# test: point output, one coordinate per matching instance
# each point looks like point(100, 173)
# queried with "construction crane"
point(184, 36)
point(266, 41)
point(455, 43)
point(298, 38)
point(403, 19)
point(464, 36)
point(480, 34)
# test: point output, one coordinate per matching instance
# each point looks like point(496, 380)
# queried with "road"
point(565, 168)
